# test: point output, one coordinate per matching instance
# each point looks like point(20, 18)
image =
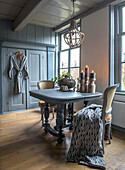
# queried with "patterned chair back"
point(45, 84)
point(108, 99)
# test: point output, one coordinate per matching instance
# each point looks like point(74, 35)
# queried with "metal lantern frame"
point(73, 37)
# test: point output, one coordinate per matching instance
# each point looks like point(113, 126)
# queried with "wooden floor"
point(25, 146)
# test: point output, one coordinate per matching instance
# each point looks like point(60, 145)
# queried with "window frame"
point(118, 33)
point(69, 53)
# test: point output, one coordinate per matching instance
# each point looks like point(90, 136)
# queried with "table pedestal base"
point(60, 121)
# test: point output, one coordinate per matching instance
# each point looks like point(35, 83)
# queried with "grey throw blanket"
point(86, 144)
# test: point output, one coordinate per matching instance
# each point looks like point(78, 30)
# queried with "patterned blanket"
point(86, 144)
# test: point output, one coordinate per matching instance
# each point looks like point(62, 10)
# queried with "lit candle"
point(82, 75)
point(92, 74)
point(86, 71)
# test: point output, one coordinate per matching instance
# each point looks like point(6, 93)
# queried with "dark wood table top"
point(59, 97)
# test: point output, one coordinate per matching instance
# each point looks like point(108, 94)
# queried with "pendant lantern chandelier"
point(73, 37)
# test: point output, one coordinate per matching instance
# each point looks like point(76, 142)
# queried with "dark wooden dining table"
point(55, 96)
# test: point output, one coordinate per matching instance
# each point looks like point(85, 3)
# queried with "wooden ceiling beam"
point(32, 8)
point(86, 13)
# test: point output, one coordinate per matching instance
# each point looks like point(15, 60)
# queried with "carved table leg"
point(46, 117)
point(56, 127)
point(71, 127)
point(60, 121)
point(64, 114)
point(86, 103)
point(69, 112)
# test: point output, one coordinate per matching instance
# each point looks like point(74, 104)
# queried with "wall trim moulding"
point(28, 42)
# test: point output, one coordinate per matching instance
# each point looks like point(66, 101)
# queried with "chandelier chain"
point(73, 9)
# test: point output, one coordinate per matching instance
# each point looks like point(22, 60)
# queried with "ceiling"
point(58, 11)
point(49, 13)
point(9, 9)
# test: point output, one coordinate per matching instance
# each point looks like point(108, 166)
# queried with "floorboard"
point(25, 146)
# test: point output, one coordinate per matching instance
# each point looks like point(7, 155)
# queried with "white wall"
point(95, 48)
point(95, 54)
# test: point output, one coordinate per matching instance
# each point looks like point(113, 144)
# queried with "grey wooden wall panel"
point(11, 34)
point(16, 101)
point(5, 80)
point(33, 101)
point(47, 35)
point(34, 66)
point(34, 61)
point(52, 37)
point(22, 35)
point(39, 34)
point(43, 66)
point(1, 82)
point(31, 33)
point(3, 29)
point(11, 101)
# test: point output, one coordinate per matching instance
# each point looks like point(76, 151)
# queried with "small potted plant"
point(64, 80)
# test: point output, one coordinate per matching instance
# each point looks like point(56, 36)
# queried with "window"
point(69, 59)
point(120, 46)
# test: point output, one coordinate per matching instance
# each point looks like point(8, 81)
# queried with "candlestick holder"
point(78, 84)
point(92, 86)
point(86, 84)
point(82, 87)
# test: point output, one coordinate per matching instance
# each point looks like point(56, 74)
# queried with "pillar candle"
point(82, 75)
point(92, 74)
point(86, 71)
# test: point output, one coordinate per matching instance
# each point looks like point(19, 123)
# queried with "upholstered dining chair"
point(45, 84)
point(108, 97)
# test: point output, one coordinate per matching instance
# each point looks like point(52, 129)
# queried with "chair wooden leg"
point(53, 112)
point(103, 139)
point(103, 146)
point(106, 132)
point(109, 133)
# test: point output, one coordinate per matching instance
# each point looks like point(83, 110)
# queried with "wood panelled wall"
point(30, 34)
point(0, 82)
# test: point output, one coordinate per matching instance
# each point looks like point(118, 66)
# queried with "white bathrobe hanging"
point(19, 65)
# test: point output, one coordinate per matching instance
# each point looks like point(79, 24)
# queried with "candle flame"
point(82, 71)
point(92, 71)
point(86, 66)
